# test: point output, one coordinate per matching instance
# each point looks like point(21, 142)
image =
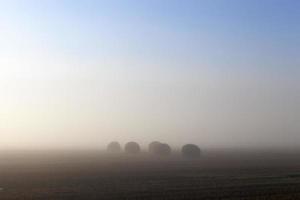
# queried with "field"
point(218, 174)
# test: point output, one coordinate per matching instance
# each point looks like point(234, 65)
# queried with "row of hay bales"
point(155, 148)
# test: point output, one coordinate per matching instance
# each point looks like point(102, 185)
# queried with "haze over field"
point(222, 73)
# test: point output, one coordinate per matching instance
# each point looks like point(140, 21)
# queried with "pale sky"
point(223, 73)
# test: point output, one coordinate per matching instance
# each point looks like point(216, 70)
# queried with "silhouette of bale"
point(153, 146)
point(114, 147)
point(163, 149)
point(132, 148)
point(190, 151)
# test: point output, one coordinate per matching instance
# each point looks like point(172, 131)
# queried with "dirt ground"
point(218, 174)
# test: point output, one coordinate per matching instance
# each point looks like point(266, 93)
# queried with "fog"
point(70, 80)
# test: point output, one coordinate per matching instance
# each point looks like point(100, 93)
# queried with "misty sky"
point(214, 73)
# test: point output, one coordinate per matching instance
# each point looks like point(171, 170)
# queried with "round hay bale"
point(132, 148)
point(190, 151)
point(114, 147)
point(153, 146)
point(163, 149)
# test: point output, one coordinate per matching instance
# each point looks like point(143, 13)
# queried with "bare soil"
point(219, 174)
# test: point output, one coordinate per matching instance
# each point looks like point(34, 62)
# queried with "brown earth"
point(80, 175)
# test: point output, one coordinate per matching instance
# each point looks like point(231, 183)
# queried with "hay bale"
point(190, 151)
point(114, 147)
point(132, 148)
point(163, 149)
point(153, 146)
